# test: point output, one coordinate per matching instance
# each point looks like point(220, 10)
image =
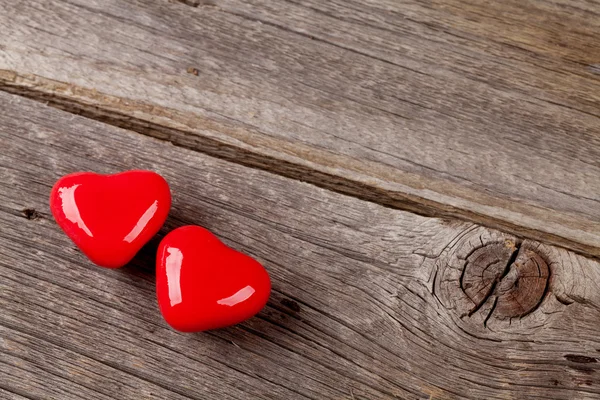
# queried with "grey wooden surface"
point(486, 111)
point(368, 302)
point(439, 121)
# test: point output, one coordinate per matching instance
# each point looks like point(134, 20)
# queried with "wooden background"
point(420, 178)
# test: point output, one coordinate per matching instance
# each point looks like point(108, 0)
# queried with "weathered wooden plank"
point(11, 395)
point(487, 111)
point(368, 302)
point(36, 365)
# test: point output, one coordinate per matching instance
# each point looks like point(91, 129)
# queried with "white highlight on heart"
point(142, 222)
point(241, 295)
point(70, 209)
point(174, 261)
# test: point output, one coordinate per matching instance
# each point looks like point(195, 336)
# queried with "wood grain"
point(367, 301)
point(486, 111)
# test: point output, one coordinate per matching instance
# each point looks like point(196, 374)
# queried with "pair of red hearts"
point(200, 282)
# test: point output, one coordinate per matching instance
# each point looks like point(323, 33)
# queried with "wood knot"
point(514, 279)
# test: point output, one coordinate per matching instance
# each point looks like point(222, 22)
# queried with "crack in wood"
point(196, 3)
point(487, 318)
point(581, 359)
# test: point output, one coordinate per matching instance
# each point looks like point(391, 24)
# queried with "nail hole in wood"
point(291, 304)
point(31, 214)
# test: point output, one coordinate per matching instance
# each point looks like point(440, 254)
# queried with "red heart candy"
point(202, 284)
point(110, 217)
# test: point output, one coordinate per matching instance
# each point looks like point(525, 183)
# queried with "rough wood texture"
point(368, 302)
point(488, 111)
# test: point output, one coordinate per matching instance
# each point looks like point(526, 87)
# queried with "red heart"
point(110, 217)
point(202, 284)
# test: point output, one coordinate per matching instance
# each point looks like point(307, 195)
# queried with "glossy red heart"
point(110, 217)
point(202, 284)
